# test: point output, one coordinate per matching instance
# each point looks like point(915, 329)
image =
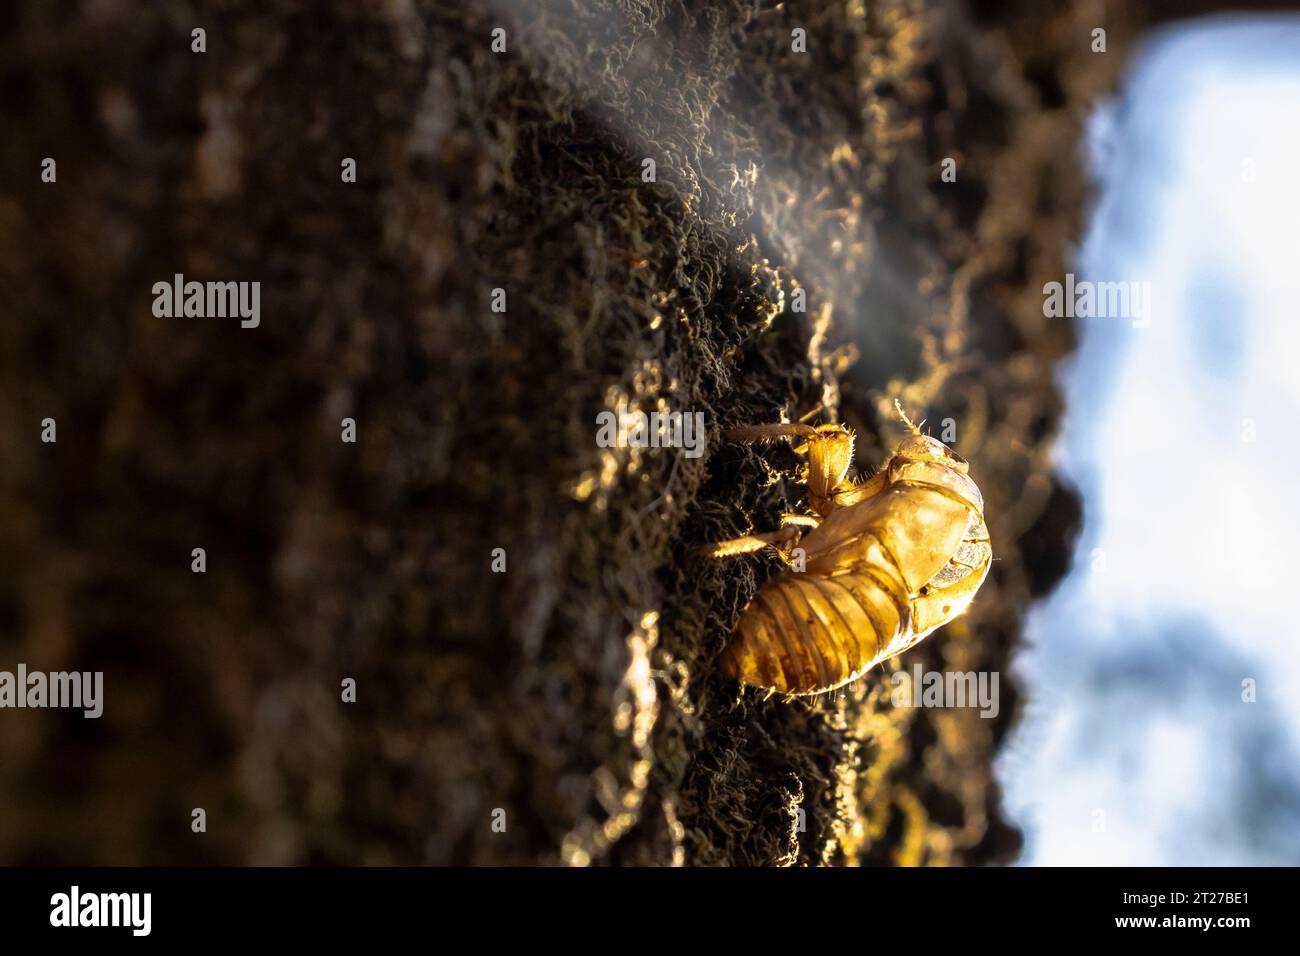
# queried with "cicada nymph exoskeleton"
point(886, 562)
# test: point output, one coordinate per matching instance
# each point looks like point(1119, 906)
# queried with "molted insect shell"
point(905, 557)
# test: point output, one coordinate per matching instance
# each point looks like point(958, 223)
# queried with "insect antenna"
point(906, 421)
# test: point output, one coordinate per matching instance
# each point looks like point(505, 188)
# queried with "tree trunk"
point(797, 247)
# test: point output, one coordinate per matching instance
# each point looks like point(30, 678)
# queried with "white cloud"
point(1199, 169)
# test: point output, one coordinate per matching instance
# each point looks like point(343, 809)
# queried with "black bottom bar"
point(547, 906)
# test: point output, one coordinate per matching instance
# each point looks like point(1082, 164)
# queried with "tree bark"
point(576, 691)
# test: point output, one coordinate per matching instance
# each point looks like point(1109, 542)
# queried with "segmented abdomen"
point(805, 633)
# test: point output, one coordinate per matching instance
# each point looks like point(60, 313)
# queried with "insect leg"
point(780, 541)
point(805, 521)
point(830, 453)
point(849, 493)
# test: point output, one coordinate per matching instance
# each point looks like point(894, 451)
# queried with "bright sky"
point(1184, 437)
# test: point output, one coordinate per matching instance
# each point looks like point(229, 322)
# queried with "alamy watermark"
point(210, 300)
point(636, 429)
point(947, 689)
point(1086, 299)
point(75, 908)
point(82, 690)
